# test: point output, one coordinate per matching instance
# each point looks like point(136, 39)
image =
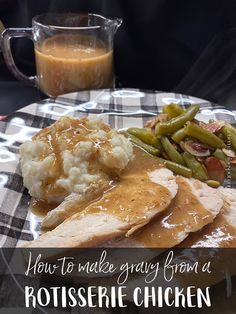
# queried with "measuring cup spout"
point(114, 24)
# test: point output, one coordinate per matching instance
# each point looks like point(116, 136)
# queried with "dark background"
point(186, 46)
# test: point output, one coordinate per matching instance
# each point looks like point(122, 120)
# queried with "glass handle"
point(6, 36)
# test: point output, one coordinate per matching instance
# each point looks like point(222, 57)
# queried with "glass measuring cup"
point(72, 52)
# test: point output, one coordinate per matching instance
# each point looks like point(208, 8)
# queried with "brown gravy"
point(185, 211)
point(135, 194)
point(41, 207)
point(218, 234)
point(73, 62)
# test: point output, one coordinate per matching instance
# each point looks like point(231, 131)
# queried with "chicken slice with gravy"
point(222, 232)
point(143, 191)
point(195, 206)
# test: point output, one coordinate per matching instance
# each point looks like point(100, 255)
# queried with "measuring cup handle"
point(6, 36)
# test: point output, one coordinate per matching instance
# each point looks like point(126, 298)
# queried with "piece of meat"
point(134, 172)
point(72, 204)
point(229, 196)
point(215, 168)
point(151, 123)
point(222, 232)
point(213, 126)
point(122, 210)
point(195, 205)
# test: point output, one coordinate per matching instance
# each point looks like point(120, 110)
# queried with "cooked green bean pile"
point(188, 147)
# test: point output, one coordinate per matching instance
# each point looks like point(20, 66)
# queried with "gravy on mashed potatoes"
point(73, 156)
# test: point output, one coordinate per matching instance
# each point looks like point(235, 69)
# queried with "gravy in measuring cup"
point(67, 63)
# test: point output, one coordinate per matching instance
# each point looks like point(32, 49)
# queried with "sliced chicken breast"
point(195, 206)
point(123, 209)
point(222, 232)
point(74, 203)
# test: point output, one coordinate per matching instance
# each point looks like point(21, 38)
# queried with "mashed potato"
point(72, 156)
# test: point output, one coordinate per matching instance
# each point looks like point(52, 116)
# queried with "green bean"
point(178, 136)
point(173, 110)
point(213, 183)
point(182, 146)
point(199, 171)
point(148, 148)
point(145, 136)
point(176, 168)
point(230, 133)
point(178, 122)
point(171, 152)
point(204, 136)
point(218, 153)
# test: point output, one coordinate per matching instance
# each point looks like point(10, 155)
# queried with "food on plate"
point(148, 148)
point(73, 156)
point(203, 135)
point(198, 170)
point(156, 186)
point(188, 147)
point(178, 136)
point(171, 151)
point(177, 122)
point(144, 190)
point(76, 203)
point(173, 110)
point(195, 206)
point(222, 232)
point(230, 133)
